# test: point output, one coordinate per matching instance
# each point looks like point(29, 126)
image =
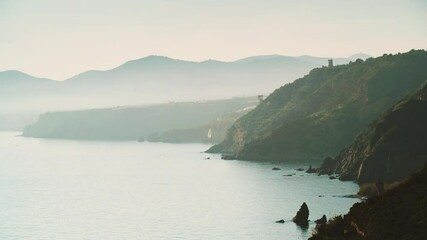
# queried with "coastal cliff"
point(391, 148)
point(318, 115)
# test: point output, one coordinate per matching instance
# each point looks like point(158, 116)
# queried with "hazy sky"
point(60, 38)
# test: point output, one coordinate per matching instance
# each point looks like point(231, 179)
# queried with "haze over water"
point(59, 189)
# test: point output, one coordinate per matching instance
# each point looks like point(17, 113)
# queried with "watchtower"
point(331, 63)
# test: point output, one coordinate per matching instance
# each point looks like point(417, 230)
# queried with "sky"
point(58, 39)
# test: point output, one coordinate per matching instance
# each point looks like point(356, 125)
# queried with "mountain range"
point(155, 79)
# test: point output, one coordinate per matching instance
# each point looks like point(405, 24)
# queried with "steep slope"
point(392, 147)
point(132, 123)
point(319, 114)
point(400, 213)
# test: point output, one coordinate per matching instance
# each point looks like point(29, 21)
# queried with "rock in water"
point(311, 170)
point(301, 218)
point(321, 220)
point(275, 168)
point(280, 221)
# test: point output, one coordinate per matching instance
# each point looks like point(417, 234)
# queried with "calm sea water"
point(59, 189)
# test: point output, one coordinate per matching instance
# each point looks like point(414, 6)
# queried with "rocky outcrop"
point(301, 218)
point(391, 148)
point(321, 220)
point(311, 170)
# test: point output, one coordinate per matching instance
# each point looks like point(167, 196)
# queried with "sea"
point(68, 189)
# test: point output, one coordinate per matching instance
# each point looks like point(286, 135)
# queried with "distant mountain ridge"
point(152, 80)
point(15, 77)
point(318, 115)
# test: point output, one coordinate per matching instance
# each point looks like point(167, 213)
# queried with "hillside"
point(132, 123)
point(17, 89)
point(217, 127)
point(400, 213)
point(391, 148)
point(318, 115)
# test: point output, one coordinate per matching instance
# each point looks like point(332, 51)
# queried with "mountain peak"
point(360, 55)
point(260, 57)
point(156, 57)
point(15, 76)
point(13, 73)
point(148, 60)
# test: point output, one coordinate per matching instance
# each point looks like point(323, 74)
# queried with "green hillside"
point(318, 115)
point(391, 148)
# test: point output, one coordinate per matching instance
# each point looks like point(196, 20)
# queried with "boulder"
point(301, 218)
point(275, 168)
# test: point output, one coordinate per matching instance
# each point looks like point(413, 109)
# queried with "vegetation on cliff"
point(318, 115)
point(400, 213)
point(391, 148)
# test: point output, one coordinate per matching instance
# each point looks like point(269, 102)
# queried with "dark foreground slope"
point(318, 115)
point(391, 148)
point(132, 123)
point(400, 213)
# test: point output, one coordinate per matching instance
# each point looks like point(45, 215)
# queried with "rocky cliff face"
point(392, 147)
point(318, 115)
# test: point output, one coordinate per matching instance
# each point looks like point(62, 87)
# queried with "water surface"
point(60, 189)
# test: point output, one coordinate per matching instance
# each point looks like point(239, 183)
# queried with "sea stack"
point(301, 218)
